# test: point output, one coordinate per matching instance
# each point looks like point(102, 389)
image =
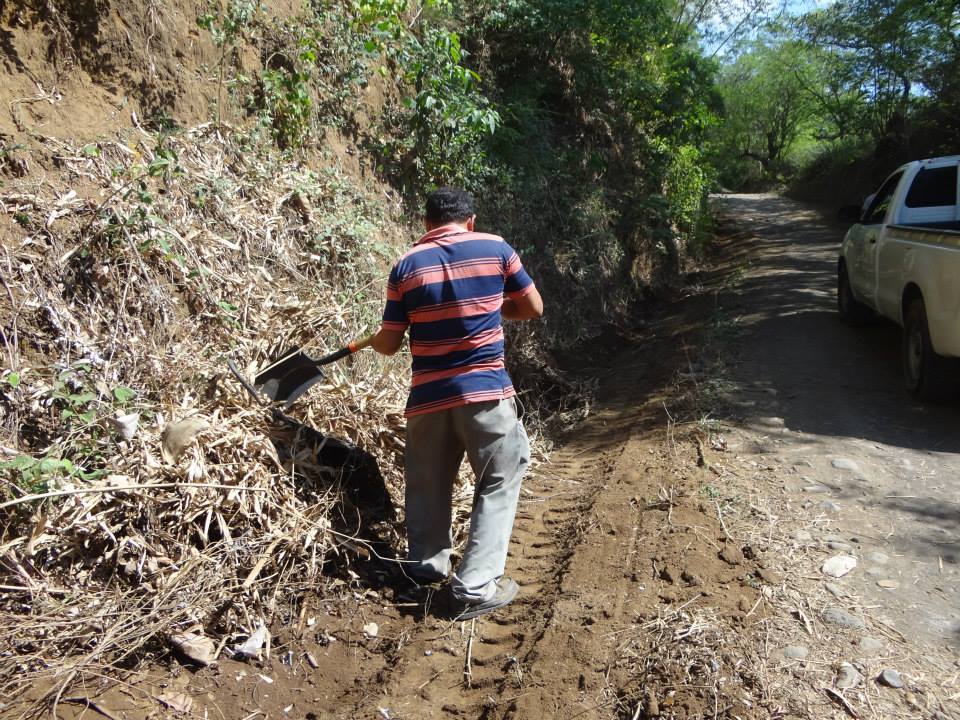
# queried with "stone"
point(869, 644)
point(816, 489)
point(769, 576)
point(891, 678)
point(731, 555)
point(830, 506)
point(839, 545)
point(795, 652)
point(847, 676)
point(195, 647)
point(177, 437)
point(834, 589)
point(841, 618)
point(801, 536)
point(845, 464)
point(838, 565)
point(371, 630)
point(888, 584)
point(878, 558)
point(670, 573)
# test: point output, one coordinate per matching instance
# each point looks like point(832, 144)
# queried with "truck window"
point(933, 187)
point(878, 208)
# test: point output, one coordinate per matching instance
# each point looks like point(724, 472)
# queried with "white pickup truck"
point(901, 260)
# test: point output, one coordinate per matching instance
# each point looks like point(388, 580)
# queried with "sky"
point(793, 7)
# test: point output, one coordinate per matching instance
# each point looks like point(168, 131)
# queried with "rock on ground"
point(839, 565)
point(840, 617)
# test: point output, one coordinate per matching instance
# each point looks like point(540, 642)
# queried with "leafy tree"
point(766, 103)
point(881, 48)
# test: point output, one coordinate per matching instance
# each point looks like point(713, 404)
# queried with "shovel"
point(293, 374)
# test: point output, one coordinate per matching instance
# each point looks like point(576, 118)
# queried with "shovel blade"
point(288, 379)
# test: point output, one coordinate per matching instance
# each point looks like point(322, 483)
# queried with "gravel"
point(840, 617)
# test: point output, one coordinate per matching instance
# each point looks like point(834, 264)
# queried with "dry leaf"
point(177, 437)
point(178, 702)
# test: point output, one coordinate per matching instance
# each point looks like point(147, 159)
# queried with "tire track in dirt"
point(613, 550)
point(427, 676)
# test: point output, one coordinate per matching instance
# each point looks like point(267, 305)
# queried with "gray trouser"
point(497, 448)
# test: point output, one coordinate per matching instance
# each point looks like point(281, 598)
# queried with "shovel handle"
point(352, 347)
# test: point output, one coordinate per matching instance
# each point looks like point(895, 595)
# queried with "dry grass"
point(131, 281)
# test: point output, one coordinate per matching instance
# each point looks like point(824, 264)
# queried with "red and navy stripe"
point(448, 289)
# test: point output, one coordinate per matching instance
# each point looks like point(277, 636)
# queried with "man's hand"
point(386, 342)
point(528, 307)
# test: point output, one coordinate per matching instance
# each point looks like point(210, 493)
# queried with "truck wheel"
point(926, 375)
point(852, 311)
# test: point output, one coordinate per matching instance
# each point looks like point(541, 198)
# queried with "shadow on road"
point(832, 379)
point(819, 389)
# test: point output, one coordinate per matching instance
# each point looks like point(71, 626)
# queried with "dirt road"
point(832, 410)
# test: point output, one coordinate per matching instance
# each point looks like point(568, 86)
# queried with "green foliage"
point(596, 176)
point(82, 407)
point(227, 27)
point(438, 134)
point(288, 104)
point(881, 70)
point(767, 107)
point(35, 475)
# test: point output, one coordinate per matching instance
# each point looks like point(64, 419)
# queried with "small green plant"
point(37, 474)
point(287, 103)
point(227, 27)
point(165, 164)
point(710, 491)
point(82, 411)
point(71, 396)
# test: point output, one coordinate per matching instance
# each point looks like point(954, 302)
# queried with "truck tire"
point(852, 311)
point(926, 375)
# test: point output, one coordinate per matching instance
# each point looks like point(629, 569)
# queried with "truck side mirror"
point(849, 214)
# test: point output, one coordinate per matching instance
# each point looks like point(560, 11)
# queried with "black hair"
point(449, 204)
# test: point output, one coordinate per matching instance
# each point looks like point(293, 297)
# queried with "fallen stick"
point(123, 488)
point(467, 670)
point(264, 559)
point(90, 704)
point(841, 700)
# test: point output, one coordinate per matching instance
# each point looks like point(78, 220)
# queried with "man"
point(452, 289)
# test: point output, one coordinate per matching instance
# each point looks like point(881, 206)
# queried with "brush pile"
point(174, 511)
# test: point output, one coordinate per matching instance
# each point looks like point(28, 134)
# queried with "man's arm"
point(526, 307)
point(387, 342)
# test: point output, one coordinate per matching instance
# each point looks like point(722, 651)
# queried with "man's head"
point(449, 205)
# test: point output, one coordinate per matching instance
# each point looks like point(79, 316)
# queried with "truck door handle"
point(872, 241)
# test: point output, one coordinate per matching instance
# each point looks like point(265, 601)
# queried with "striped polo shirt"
point(448, 289)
